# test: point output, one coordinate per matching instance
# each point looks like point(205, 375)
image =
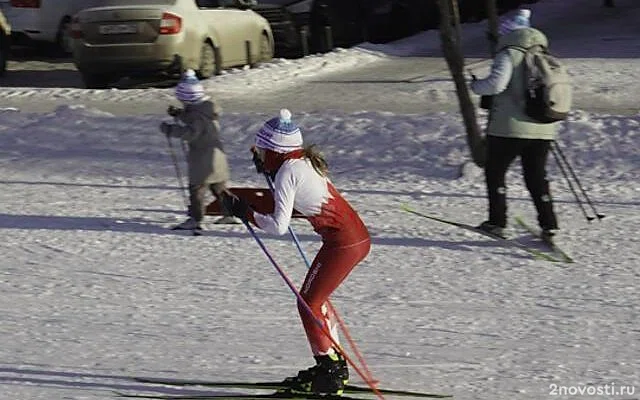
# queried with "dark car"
point(309, 26)
point(289, 20)
point(343, 23)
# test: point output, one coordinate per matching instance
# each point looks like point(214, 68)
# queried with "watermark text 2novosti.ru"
point(610, 389)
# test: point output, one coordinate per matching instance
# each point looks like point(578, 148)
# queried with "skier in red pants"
point(301, 182)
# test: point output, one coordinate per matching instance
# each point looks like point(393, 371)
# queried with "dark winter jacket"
point(199, 127)
point(506, 84)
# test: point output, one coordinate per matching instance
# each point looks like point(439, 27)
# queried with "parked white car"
point(40, 21)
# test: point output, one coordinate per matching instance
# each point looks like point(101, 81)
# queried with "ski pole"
point(332, 309)
point(556, 148)
point(178, 173)
point(308, 309)
point(566, 177)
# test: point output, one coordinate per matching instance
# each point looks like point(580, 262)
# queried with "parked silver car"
point(116, 38)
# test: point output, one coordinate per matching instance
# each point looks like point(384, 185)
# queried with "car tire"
point(208, 62)
point(265, 49)
point(96, 81)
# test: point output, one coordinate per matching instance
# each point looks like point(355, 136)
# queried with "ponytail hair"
point(317, 159)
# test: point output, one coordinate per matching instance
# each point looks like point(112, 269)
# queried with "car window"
point(277, 2)
point(208, 3)
point(225, 3)
point(229, 3)
point(237, 3)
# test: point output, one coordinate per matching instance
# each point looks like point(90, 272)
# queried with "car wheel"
point(96, 81)
point(266, 50)
point(64, 42)
point(208, 61)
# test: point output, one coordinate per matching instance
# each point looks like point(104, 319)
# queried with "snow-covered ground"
point(94, 288)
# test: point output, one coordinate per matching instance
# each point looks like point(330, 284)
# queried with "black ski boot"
point(492, 229)
point(327, 377)
point(547, 235)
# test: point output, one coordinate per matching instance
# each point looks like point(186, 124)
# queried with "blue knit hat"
point(280, 134)
point(190, 90)
point(518, 21)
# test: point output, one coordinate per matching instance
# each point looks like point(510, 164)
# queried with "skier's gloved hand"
point(165, 128)
point(174, 111)
point(236, 205)
point(257, 161)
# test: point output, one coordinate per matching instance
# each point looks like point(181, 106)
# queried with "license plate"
point(117, 29)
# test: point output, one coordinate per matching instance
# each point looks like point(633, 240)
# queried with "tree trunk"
point(455, 61)
point(455, 13)
point(492, 18)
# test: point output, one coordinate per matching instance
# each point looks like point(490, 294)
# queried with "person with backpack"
point(197, 124)
point(511, 131)
point(301, 182)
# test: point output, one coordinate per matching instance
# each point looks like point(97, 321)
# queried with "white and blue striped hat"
point(280, 134)
point(189, 89)
point(518, 21)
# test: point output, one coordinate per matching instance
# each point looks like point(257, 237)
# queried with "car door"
point(231, 26)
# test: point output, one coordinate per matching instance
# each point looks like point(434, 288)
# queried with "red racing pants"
point(330, 267)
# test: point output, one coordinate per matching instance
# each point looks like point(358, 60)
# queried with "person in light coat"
point(510, 132)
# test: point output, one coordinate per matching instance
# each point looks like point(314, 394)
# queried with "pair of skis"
point(280, 391)
point(553, 253)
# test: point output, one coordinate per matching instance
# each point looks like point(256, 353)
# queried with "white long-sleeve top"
point(299, 186)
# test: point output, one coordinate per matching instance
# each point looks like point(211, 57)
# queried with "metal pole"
point(556, 148)
point(178, 173)
point(304, 40)
point(564, 173)
point(328, 36)
point(247, 46)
